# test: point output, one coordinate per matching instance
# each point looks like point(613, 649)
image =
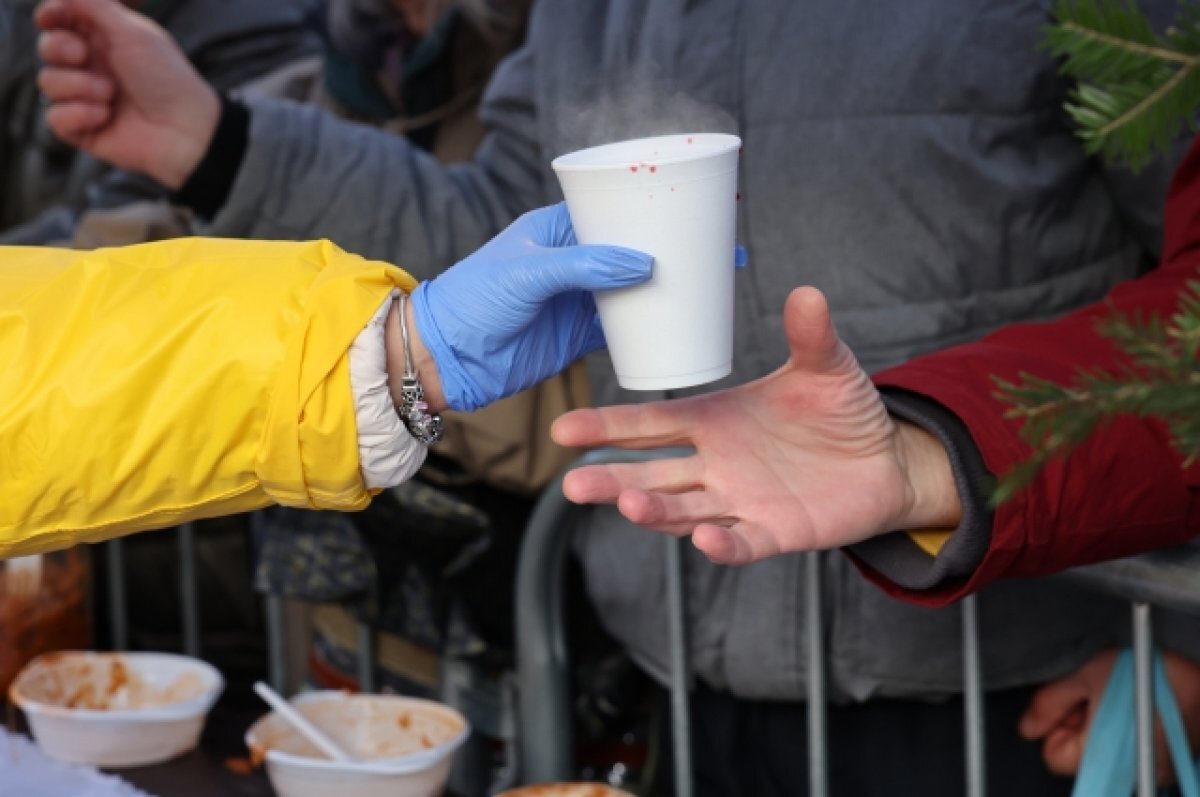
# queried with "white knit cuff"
point(388, 454)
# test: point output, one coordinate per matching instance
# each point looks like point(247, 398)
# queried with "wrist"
point(933, 499)
point(423, 362)
point(191, 143)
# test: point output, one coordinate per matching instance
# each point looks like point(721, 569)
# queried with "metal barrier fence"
point(188, 594)
point(542, 732)
point(544, 706)
point(1169, 579)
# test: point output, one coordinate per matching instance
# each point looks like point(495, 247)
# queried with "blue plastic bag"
point(1109, 767)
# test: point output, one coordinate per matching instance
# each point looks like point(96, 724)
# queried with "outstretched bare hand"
point(806, 458)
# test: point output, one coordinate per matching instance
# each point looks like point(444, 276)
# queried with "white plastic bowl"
point(156, 705)
point(403, 746)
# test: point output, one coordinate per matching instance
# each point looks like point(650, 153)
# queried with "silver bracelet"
point(413, 409)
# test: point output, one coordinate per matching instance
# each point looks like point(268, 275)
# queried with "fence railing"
point(189, 601)
point(544, 706)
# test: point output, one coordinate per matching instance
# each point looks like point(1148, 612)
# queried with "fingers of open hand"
point(604, 483)
point(656, 425)
point(735, 544)
point(673, 514)
point(72, 120)
point(579, 429)
point(63, 48)
point(75, 85)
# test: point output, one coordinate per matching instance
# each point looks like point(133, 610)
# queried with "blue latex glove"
point(519, 310)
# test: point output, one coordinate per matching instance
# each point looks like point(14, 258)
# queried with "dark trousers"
point(882, 748)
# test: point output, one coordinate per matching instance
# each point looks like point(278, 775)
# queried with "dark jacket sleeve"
point(1124, 491)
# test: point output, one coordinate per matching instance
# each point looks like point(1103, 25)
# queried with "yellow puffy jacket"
point(148, 385)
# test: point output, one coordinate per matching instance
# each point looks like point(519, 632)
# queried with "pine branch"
point(1136, 89)
point(1074, 29)
point(1163, 381)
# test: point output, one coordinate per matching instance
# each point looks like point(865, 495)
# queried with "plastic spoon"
point(297, 721)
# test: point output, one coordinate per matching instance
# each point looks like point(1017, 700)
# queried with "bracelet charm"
point(413, 409)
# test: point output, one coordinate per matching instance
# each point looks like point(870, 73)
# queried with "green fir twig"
point(1161, 381)
point(1136, 90)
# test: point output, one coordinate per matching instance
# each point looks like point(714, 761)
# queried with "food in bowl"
point(116, 709)
point(401, 746)
point(104, 682)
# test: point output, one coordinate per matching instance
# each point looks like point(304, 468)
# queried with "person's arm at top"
point(125, 94)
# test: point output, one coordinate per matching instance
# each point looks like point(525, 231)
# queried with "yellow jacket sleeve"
point(149, 385)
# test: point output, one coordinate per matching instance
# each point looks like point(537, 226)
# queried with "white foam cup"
point(673, 197)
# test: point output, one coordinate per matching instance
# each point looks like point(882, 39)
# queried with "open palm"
point(805, 458)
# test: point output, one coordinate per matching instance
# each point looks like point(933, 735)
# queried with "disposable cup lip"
point(621, 154)
point(596, 183)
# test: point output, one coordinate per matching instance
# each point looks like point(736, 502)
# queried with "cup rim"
point(726, 142)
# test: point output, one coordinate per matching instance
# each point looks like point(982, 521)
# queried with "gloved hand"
point(519, 310)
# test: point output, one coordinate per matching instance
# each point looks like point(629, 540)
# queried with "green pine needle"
point(1136, 92)
point(1162, 381)
point(1136, 89)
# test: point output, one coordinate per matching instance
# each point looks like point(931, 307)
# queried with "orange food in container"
point(402, 746)
point(116, 709)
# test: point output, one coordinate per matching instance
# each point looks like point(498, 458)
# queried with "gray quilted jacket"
point(910, 159)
